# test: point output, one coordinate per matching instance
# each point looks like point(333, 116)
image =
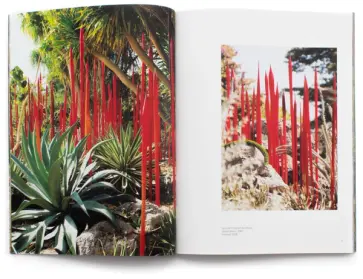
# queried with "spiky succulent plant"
point(60, 186)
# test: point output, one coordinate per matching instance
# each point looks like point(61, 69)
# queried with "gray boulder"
point(105, 239)
point(243, 166)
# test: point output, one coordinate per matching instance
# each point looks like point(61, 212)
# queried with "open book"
point(135, 130)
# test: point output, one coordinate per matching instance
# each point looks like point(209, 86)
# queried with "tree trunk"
point(116, 70)
point(153, 37)
point(144, 58)
point(19, 127)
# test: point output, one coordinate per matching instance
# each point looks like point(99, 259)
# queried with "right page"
point(265, 137)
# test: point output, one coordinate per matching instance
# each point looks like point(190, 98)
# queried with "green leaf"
point(65, 203)
point(30, 214)
point(45, 152)
point(81, 176)
point(25, 239)
point(56, 147)
point(60, 241)
point(75, 196)
point(97, 207)
point(18, 183)
point(40, 238)
point(31, 179)
point(80, 147)
point(71, 231)
point(97, 176)
point(39, 202)
point(31, 232)
point(86, 160)
point(27, 173)
point(100, 185)
point(41, 232)
point(54, 181)
point(36, 164)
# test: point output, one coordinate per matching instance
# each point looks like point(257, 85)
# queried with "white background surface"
point(290, 266)
point(200, 218)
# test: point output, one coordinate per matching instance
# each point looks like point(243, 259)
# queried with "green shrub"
point(122, 154)
point(59, 187)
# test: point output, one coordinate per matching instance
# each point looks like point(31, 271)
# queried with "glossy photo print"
point(279, 128)
point(92, 131)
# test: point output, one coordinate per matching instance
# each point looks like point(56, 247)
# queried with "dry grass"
point(262, 198)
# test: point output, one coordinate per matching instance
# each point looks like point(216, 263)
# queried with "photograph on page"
point(92, 131)
point(279, 128)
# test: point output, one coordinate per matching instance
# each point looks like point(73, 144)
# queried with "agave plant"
point(58, 186)
point(122, 154)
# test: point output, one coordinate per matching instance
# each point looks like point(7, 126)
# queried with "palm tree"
point(111, 34)
point(109, 27)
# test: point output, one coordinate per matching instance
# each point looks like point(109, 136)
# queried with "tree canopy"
point(324, 60)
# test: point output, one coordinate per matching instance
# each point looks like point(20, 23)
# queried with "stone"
point(252, 184)
point(49, 251)
point(105, 239)
point(243, 165)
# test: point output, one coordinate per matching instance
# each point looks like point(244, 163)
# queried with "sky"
point(249, 57)
point(21, 46)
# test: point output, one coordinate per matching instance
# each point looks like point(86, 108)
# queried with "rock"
point(273, 180)
point(49, 251)
point(257, 199)
point(252, 184)
point(105, 239)
point(243, 166)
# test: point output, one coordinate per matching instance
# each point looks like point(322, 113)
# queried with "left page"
point(92, 131)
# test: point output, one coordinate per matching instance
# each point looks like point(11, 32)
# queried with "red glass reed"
point(81, 80)
point(40, 101)
point(144, 145)
point(307, 132)
point(30, 120)
point(65, 109)
point(258, 109)
point(37, 118)
point(46, 101)
point(316, 98)
point(228, 92)
point(242, 108)
point(103, 99)
point(235, 118)
point(277, 127)
point(95, 104)
point(248, 117)
point(114, 104)
point(267, 115)
point(151, 134)
point(272, 125)
point(51, 110)
point(26, 119)
point(109, 108)
point(143, 72)
point(156, 139)
point(87, 112)
point(253, 109)
point(73, 116)
point(293, 126)
point(294, 147)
